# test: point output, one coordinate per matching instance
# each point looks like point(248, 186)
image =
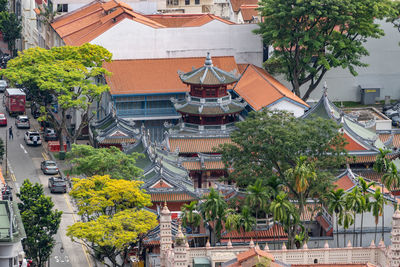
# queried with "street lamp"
point(61, 251)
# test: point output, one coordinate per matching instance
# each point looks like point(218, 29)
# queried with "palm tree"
point(302, 174)
point(213, 211)
point(381, 166)
point(364, 187)
point(279, 208)
point(355, 202)
point(246, 220)
point(336, 205)
point(257, 198)
point(346, 220)
point(377, 208)
point(190, 217)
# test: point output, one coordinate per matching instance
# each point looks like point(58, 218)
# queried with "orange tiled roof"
point(248, 12)
point(253, 252)
point(236, 4)
point(208, 165)
point(262, 235)
point(344, 183)
point(260, 89)
point(351, 144)
point(151, 76)
point(197, 145)
point(242, 67)
point(395, 141)
point(171, 197)
point(185, 20)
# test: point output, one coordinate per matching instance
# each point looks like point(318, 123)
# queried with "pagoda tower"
point(208, 116)
point(395, 247)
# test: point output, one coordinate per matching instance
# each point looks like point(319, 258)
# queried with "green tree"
point(336, 205)
point(280, 208)
point(11, 28)
point(64, 76)
point(3, 5)
point(40, 221)
point(241, 222)
point(89, 161)
point(213, 211)
point(377, 208)
point(114, 217)
point(190, 217)
point(312, 37)
point(381, 166)
point(355, 202)
point(257, 198)
point(346, 220)
point(364, 187)
point(269, 143)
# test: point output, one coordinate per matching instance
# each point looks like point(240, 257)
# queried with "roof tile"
point(196, 145)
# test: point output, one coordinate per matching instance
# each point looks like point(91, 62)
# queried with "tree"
point(11, 28)
point(280, 208)
point(336, 205)
point(40, 221)
point(365, 187)
point(64, 76)
point(1, 148)
point(190, 217)
point(213, 211)
point(90, 161)
point(346, 220)
point(114, 218)
point(355, 202)
point(241, 222)
point(257, 198)
point(377, 207)
point(269, 143)
point(312, 37)
point(381, 166)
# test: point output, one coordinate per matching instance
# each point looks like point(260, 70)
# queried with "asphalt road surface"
point(24, 163)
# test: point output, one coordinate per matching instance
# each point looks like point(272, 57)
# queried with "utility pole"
point(6, 158)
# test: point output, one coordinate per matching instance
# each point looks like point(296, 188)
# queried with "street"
point(24, 163)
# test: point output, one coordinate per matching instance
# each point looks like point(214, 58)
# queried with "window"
point(187, 2)
point(197, 2)
point(62, 7)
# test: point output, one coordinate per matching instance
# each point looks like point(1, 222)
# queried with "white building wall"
point(133, 40)
point(383, 70)
point(288, 106)
point(28, 21)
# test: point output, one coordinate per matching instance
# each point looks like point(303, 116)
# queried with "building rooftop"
point(10, 220)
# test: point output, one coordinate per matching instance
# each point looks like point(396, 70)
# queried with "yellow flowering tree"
point(114, 218)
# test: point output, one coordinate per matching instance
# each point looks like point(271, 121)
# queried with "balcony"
point(209, 128)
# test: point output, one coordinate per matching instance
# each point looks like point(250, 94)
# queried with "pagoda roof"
point(196, 144)
point(114, 130)
point(203, 162)
point(361, 141)
point(208, 75)
point(209, 110)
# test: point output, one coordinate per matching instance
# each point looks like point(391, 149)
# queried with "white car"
point(32, 138)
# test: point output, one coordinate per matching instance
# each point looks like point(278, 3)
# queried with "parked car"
point(57, 185)
point(3, 119)
point(22, 121)
point(49, 167)
point(3, 85)
point(50, 135)
point(32, 138)
point(396, 121)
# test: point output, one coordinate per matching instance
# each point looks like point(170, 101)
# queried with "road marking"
point(23, 148)
point(45, 157)
point(75, 220)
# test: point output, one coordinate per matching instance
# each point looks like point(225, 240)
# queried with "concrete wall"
point(288, 106)
point(133, 40)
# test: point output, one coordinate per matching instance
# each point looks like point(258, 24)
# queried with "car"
point(391, 112)
point(3, 85)
point(49, 167)
point(57, 185)
point(32, 138)
point(396, 121)
point(50, 135)
point(22, 121)
point(3, 119)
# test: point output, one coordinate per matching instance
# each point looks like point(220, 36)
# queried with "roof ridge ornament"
point(208, 62)
point(325, 89)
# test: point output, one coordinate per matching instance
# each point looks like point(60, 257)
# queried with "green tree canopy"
point(40, 221)
point(90, 161)
point(114, 216)
point(63, 75)
point(269, 143)
point(11, 28)
point(312, 37)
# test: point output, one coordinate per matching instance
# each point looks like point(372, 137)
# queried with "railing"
point(148, 112)
point(218, 100)
point(220, 1)
point(327, 216)
point(197, 127)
